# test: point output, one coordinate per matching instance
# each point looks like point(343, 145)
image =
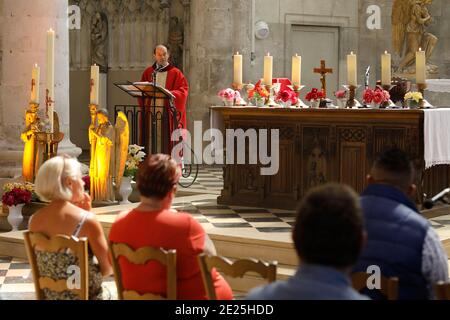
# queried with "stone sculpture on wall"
point(410, 19)
point(175, 42)
point(99, 41)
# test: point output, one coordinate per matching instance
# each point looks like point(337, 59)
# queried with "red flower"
point(285, 95)
point(16, 196)
point(87, 183)
point(368, 95)
point(314, 94)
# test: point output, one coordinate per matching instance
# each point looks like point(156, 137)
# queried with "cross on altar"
point(323, 73)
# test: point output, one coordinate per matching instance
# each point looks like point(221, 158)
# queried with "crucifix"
point(323, 73)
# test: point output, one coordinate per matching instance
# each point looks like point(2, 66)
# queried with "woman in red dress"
point(154, 224)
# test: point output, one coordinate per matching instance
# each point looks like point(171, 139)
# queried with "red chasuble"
point(175, 83)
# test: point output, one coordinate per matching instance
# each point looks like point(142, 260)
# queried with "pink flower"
point(368, 95)
point(378, 97)
point(227, 94)
point(341, 94)
point(294, 99)
point(285, 95)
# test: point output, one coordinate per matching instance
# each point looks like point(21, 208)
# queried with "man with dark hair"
point(400, 241)
point(328, 236)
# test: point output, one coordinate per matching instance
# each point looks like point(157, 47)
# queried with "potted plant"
point(287, 97)
point(135, 157)
point(413, 99)
point(259, 94)
point(228, 96)
point(314, 97)
point(375, 97)
point(15, 197)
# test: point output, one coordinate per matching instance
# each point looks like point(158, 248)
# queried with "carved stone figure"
point(32, 157)
point(410, 19)
point(176, 39)
point(99, 40)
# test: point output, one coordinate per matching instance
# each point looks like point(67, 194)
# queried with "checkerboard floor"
point(209, 179)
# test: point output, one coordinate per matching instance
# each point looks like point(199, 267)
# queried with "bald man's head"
point(395, 168)
point(161, 55)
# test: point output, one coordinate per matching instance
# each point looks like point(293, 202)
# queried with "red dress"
point(167, 230)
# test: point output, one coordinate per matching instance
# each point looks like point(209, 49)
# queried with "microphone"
point(429, 203)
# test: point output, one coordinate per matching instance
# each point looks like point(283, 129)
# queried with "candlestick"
point(268, 69)
point(95, 77)
point(297, 89)
point(352, 69)
point(352, 102)
point(237, 69)
point(35, 79)
point(50, 76)
point(271, 102)
point(421, 74)
point(296, 70)
point(386, 69)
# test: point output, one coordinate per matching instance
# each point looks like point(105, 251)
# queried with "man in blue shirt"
point(401, 243)
point(328, 237)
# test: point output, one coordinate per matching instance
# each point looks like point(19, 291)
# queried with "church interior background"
point(203, 35)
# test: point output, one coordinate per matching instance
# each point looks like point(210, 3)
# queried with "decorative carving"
point(287, 133)
point(353, 134)
point(316, 165)
point(99, 41)
point(410, 18)
point(250, 180)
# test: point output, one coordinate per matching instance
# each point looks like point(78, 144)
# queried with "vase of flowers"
point(259, 94)
point(228, 96)
point(413, 99)
point(287, 97)
point(15, 197)
point(375, 97)
point(314, 97)
point(135, 157)
point(341, 98)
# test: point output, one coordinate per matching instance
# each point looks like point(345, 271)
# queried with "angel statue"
point(32, 155)
point(409, 21)
point(109, 147)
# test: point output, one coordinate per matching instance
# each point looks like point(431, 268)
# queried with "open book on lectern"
point(152, 89)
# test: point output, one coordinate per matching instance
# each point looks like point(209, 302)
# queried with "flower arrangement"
point(340, 94)
point(287, 96)
point(87, 183)
point(416, 96)
point(315, 94)
point(258, 93)
point(134, 158)
point(17, 193)
point(229, 96)
point(377, 96)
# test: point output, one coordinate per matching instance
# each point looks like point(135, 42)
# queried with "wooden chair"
point(236, 269)
point(56, 244)
point(389, 286)
point(142, 256)
point(442, 290)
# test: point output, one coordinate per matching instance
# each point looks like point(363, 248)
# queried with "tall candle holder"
point(423, 104)
point(352, 102)
point(271, 101)
point(238, 87)
point(50, 143)
point(297, 89)
point(249, 87)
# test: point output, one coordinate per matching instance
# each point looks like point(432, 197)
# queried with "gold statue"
point(107, 154)
point(409, 21)
point(32, 153)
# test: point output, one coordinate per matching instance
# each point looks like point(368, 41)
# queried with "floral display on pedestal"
point(341, 98)
point(375, 97)
point(286, 98)
point(314, 97)
point(259, 94)
point(15, 196)
point(135, 157)
point(230, 97)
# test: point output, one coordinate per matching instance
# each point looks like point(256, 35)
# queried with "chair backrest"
point(388, 286)
point(58, 244)
point(236, 269)
point(141, 256)
point(442, 291)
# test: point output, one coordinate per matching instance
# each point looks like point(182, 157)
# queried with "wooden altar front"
point(324, 145)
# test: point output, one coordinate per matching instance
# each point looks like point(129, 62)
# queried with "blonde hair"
point(49, 184)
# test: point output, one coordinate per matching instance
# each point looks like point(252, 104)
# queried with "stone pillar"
point(23, 26)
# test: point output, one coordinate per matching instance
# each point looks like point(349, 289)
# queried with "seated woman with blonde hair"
point(59, 182)
point(154, 224)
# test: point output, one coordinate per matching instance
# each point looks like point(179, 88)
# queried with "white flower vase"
point(15, 216)
point(228, 103)
point(315, 104)
point(260, 103)
point(125, 190)
point(374, 105)
point(286, 104)
point(342, 103)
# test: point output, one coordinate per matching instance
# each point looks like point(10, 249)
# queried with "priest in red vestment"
point(168, 76)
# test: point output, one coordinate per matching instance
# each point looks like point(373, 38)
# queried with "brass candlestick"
point(423, 104)
point(50, 143)
point(238, 87)
point(297, 89)
point(271, 102)
point(352, 102)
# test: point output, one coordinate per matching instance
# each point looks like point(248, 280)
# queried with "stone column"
point(23, 26)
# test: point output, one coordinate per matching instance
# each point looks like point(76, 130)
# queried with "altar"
point(317, 146)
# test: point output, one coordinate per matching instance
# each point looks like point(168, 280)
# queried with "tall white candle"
point(51, 74)
point(95, 82)
point(237, 79)
point(296, 70)
point(421, 73)
point(386, 69)
point(268, 69)
point(35, 78)
point(352, 69)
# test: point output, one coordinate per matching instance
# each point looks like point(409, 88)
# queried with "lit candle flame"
point(385, 52)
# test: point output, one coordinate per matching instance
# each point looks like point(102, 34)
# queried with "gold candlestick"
point(238, 87)
point(421, 87)
point(271, 102)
